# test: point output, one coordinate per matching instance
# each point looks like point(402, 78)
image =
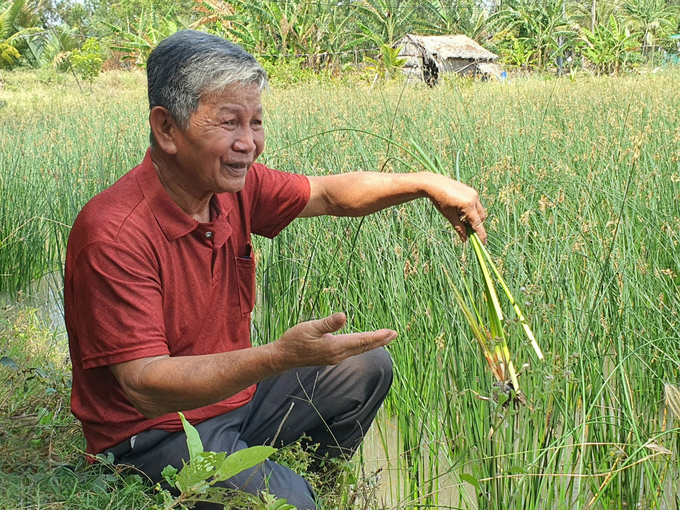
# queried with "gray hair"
point(190, 64)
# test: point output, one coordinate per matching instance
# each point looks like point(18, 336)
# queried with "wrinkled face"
point(224, 138)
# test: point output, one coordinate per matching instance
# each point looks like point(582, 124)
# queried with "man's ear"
point(164, 128)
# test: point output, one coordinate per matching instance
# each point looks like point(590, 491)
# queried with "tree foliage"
point(526, 33)
point(17, 23)
point(88, 59)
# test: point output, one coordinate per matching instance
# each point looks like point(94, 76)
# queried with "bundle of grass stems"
point(492, 340)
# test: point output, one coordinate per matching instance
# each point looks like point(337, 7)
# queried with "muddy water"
point(384, 467)
point(46, 297)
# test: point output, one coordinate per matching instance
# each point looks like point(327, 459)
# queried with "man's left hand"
point(459, 203)
point(362, 193)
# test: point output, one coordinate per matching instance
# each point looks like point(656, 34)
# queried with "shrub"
point(88, 60)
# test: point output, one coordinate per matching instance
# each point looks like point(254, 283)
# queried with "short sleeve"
point(277, 199)
point(118, 305)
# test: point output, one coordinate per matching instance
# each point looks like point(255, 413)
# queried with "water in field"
point(384, 467)
point(45, 297)
point(385, 475)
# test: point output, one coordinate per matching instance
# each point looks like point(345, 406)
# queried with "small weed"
point(43, 461)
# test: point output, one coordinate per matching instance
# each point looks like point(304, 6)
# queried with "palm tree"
point(54, 47)
point(538, 25)
point(13, 36)
point(444, 17)
point(650, 17)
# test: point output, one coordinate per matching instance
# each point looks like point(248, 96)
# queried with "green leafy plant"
point(88, 60)
point(532, 29)
point(443, 17)
point(387, 64)
point(12, 33)
point(609, 47)
point(197, 478)
point(651, 18)
point(517, 53)
point(384, 20)
point(53, 48)
point(138, 40)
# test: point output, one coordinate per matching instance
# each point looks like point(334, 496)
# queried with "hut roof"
point(444, 47)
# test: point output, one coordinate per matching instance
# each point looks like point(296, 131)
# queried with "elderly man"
point(160, 282)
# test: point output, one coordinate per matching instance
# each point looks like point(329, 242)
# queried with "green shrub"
point(88, 60)
point(287, 71)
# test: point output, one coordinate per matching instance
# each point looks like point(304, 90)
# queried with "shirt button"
point(208, 234)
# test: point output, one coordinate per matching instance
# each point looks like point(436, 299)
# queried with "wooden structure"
point(429, 56)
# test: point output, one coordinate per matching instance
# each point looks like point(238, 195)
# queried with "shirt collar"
point(174, 222)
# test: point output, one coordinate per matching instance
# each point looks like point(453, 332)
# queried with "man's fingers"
point(351, 344)
point(481, 212)
point(330, 324)
point(459, 226)
point(478, 227)
point(474, 219)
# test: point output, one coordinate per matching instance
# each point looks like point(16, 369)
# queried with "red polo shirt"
point(144, 279)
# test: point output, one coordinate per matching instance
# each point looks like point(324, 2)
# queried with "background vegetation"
point(604, 36)
point(581, 179)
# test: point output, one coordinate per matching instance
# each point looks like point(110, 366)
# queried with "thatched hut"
point(430, 56)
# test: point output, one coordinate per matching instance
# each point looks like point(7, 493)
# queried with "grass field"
point(581, 180)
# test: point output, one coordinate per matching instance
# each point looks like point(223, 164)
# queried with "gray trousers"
point(333, 406)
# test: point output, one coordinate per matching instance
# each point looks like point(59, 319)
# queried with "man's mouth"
point(238, 168)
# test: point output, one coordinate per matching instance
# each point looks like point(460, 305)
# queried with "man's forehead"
point(236, 107)
point(234, 98)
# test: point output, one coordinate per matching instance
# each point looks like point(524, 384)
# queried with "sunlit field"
point(581, 180)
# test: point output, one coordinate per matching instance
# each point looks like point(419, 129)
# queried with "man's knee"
point(284, 483)
point(372, 369)
point(381, 363)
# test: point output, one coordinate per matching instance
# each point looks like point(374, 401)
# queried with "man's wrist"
point(273, 359)
point(427, 183)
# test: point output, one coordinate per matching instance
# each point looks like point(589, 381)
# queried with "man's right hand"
point(163, 384)
point(312, 343)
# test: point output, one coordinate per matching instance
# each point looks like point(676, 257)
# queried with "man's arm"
point(163, 384)
point(362, 193)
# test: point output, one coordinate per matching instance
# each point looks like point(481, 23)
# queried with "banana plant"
point(385, 20)
point(388, 64)
point(12, 36)
point(139, 39)
point(610, 47)
point(444, 17)
point(651, 18)
point(538, 24)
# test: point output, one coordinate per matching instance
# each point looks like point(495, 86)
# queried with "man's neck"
point(198, 207)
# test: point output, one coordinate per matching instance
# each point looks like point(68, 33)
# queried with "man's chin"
point(231, 185)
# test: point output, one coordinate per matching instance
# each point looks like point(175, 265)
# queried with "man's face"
point(224, 138)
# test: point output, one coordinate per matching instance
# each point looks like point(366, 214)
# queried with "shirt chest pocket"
point(245, 274)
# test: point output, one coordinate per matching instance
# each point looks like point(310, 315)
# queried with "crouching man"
point(160, 284)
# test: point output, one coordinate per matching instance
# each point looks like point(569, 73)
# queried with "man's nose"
point(245, 141)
